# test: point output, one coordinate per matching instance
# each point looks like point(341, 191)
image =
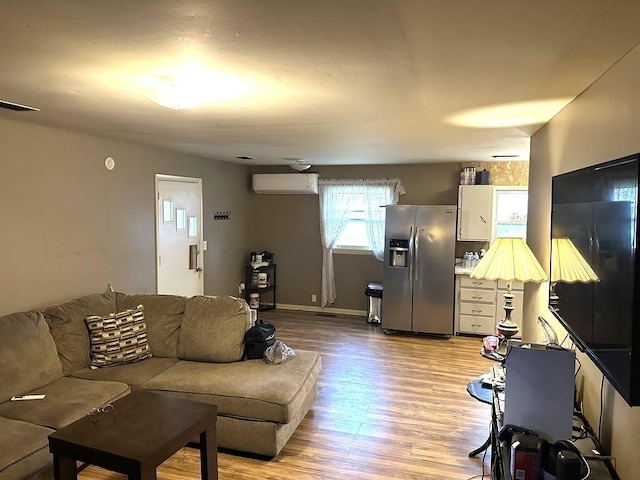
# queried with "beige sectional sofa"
point(197, 347)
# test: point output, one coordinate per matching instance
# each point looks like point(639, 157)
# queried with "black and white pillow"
point(118, 338)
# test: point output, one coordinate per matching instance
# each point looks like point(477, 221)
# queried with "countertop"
point(459, 270)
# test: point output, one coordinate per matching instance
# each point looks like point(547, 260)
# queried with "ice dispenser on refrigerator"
point(398, 252)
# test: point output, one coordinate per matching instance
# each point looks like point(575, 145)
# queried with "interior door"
point(179, 236)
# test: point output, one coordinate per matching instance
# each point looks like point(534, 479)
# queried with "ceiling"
point(334, 82)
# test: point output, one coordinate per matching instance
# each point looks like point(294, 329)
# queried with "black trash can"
point(374, 292)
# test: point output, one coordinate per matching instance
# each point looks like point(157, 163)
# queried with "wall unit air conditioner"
point(285, 183)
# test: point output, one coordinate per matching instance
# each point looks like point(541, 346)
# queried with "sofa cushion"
point(163, 314)
point(251, 389)
point(118, 338)
point(66, 322)
point(24, 447)
point(66, 400)
point(213, 329)
point(28, 356)
point(133, 374)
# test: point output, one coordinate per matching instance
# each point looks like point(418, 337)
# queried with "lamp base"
point(507, 329)
point(553, 298)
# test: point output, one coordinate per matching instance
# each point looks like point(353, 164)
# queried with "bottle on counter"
point(476, 259)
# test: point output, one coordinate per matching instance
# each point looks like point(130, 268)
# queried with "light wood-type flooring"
point(388, 407)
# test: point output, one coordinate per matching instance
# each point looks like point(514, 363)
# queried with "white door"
point(179, 236)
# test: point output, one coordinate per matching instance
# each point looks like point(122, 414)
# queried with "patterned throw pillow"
point(118, 338)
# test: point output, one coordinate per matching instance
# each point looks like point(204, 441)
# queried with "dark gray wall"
point(289, 226)
point(69, 226)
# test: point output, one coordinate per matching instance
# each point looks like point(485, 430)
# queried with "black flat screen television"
point(597, 208)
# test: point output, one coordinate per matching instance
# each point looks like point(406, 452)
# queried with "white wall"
point(602, 124)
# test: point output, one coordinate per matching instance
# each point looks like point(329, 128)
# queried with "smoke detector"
point(300, 165)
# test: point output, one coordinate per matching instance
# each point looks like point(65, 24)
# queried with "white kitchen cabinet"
point(479, 305)
point(475, 211)
point(475, 305)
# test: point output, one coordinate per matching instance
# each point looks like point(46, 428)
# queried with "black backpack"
point(258, 338)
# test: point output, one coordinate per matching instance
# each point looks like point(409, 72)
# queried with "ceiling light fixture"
point(174, 92)
point(191, 85)
point(300, 165)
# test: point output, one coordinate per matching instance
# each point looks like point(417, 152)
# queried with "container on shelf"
point(261, 280)
point(254, 300)
point(468, 176)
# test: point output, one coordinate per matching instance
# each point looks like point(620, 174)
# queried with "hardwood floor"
point(389, 406)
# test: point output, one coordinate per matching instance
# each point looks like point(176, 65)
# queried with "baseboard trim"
point(309, 308)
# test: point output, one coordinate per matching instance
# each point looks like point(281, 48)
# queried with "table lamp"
point(509, 259)
point(567, 266)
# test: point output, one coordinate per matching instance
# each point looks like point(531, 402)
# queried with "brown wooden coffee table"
point(142, 432)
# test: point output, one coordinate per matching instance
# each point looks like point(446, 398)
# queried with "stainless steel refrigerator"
point(418, 272)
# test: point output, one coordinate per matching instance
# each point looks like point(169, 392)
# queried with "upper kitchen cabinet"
point(475, 212)
point(510, 212)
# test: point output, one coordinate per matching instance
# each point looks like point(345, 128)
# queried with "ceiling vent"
point(285, 183)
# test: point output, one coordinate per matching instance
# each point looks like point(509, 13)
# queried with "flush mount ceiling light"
point(509, 114)
point(173, 92)
point(300, 165)
point(191, 85)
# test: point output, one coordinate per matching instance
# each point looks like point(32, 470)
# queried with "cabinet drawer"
point(472, 295)
point(502, 285)
point(477, 309)
point(467, 281)
point(479, 325)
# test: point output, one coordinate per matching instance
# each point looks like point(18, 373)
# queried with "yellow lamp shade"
point(510, 259)
point(568, 265)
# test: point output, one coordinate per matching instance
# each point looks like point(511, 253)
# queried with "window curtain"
point(337, 200)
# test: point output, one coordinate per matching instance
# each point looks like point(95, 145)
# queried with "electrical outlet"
point(241, 288)
point(314, 299)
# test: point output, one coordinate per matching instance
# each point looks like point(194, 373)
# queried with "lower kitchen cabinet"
point(479, 304)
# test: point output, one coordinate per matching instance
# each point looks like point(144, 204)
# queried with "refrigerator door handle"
point(411, 251)
point(416, 254)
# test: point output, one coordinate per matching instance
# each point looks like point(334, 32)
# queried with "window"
point(352, 216)
point(511, 213)
point(354, 236)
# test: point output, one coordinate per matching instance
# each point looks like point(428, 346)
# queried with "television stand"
point(600, 466)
